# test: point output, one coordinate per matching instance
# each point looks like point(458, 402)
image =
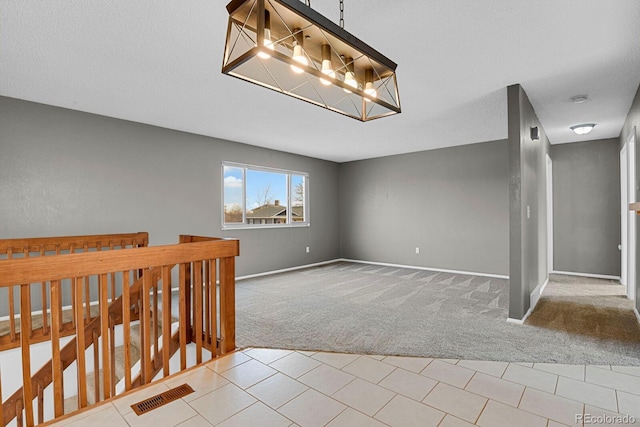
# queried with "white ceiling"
point(159, 61)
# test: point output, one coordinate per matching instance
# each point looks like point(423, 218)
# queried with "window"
point(255, 196)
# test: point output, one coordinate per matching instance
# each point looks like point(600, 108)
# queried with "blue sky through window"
point(232, 186)
point(265, 187)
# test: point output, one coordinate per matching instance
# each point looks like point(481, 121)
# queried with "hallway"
point(595, 308)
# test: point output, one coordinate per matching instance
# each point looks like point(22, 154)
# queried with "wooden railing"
point(145, 275)
point(46, 246)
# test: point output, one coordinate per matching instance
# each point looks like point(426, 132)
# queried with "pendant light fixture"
point(288, 47)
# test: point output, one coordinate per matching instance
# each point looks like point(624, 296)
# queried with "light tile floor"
point(265, 387)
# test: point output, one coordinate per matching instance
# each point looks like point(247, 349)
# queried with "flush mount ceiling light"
point(583, 129)
point(579, 99)
point(288, 47)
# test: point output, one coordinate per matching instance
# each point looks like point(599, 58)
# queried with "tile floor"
point(266, 387)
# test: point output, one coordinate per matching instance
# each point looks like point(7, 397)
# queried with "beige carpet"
point(369, 309)
point(594, 308)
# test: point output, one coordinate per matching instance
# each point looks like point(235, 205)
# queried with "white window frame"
point(289, 173)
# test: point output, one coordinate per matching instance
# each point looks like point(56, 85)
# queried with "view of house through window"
point(254, 196)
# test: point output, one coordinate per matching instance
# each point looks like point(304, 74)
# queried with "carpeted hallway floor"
point(361, 308)
point(594, 308)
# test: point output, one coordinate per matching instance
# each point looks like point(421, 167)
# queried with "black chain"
point(341, 13)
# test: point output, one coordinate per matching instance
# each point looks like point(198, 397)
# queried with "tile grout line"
point(480, 413)
point(383, 378)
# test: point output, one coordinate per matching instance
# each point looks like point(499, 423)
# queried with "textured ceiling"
point(159, 61)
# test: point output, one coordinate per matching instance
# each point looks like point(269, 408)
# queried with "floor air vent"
point(161, 399)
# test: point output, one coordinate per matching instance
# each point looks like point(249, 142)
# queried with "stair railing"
point(41, 312)
point(145, 273)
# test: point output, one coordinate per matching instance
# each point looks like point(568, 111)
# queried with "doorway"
point(627, 217)
point(549, 215)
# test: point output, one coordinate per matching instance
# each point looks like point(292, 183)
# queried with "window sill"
point(263, 226)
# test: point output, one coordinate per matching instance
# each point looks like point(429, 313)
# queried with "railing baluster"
point(145, 323)
point(113, 277)
point(87, 291)
point(45, 313)
point(25, 326)
point(213, 319)
point(56, 319)
point(96, 366)
point(40, 403)
point(80, 347)
point(19, 415)
point(104, 332)
point(227, 305)
point(126, 328)
point(155, 321)
point(188, 301)
point(166, 319)
point(184, 315)
point(59, 306)
point(12, 310)
point(112, 347)
point(207, 308)
point(197, 286)
point(74, 303)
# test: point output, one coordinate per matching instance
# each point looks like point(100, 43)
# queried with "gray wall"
point(633, 120)
point(64, 172)
point(527, 202)
point(452, 203)
point(586, 207)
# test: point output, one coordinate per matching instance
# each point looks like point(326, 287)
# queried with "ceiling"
point(158, 62)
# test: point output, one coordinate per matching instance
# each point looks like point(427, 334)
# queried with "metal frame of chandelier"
point(288, 47)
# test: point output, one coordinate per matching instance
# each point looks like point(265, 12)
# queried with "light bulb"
point(350, 75)
point(298, 52)
point(264, 53)
point(370, 90)
point(327, 67)
point(368, 87)
point(350, 79)
point(268, 44)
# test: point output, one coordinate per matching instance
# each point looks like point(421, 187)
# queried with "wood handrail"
point(39, 269)
point(92, 241)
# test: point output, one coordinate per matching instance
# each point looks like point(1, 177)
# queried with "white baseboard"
point(635, 311)
point(595, 276)
point(533, 301)
point(415, 267)
point(284, 270)
point(537, 292)
point(519, 321)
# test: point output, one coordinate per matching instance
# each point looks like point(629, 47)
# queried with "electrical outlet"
point(307, 249)
point(417, 250)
